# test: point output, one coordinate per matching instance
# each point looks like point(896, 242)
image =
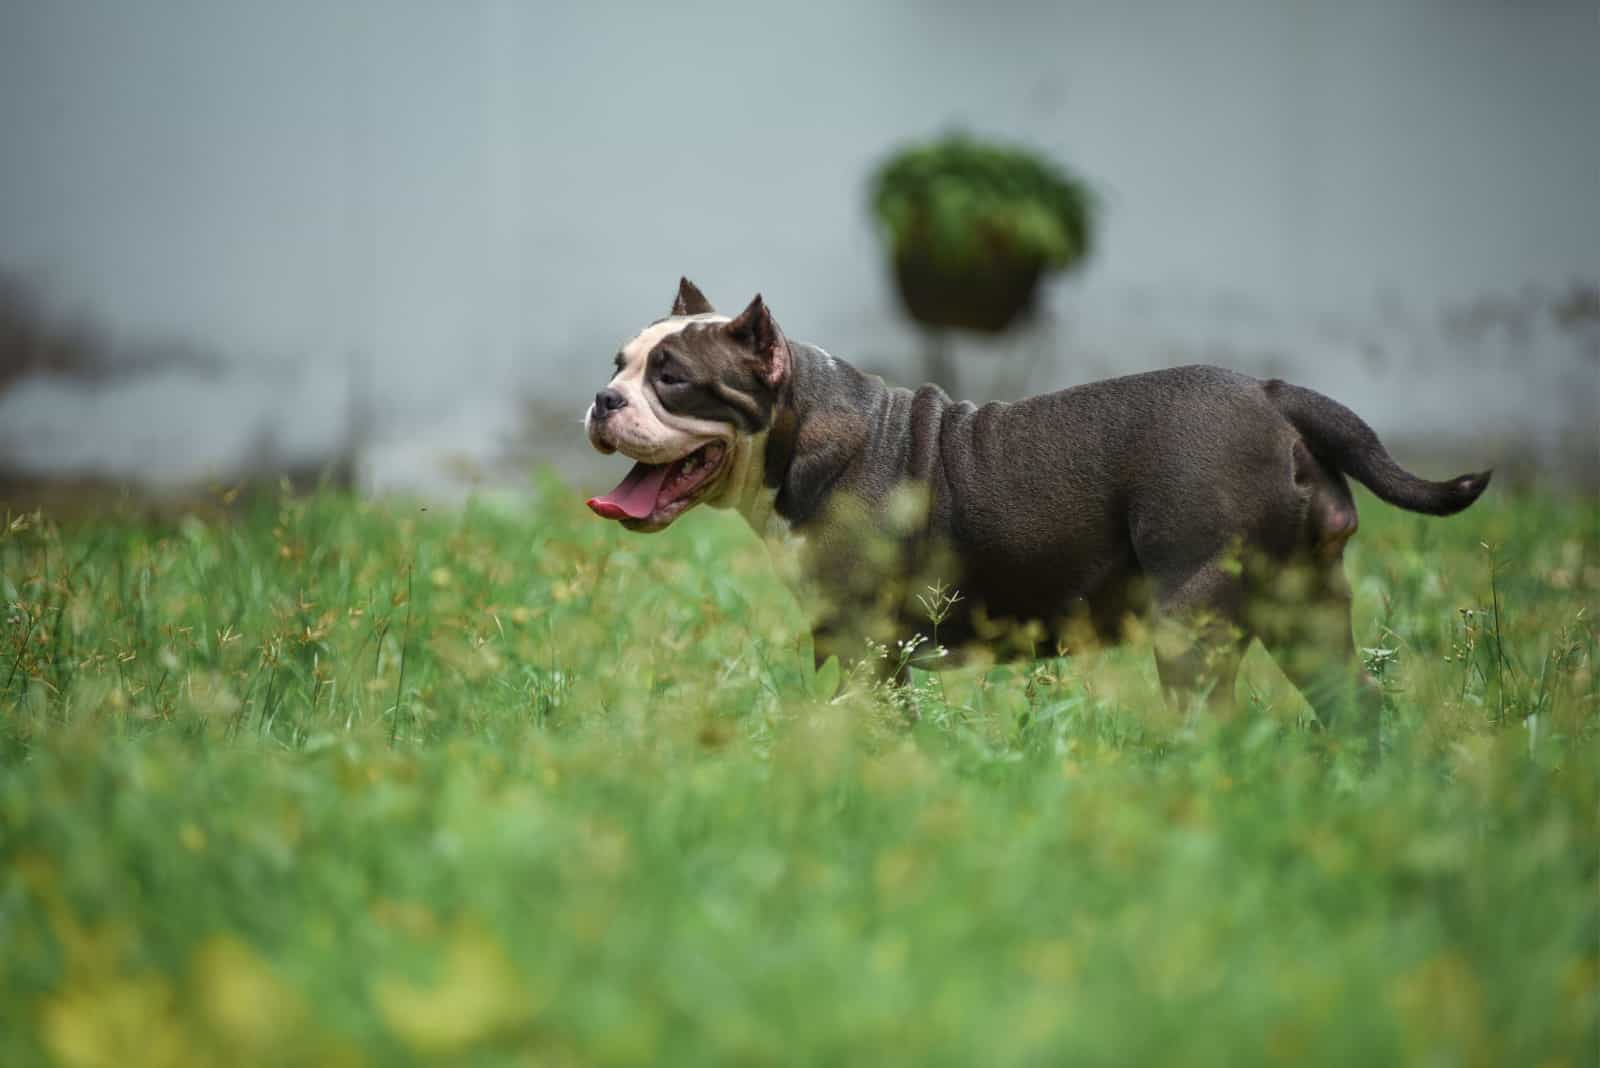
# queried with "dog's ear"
point(690, 300)
point(756, 330)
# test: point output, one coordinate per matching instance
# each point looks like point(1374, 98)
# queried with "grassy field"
point(338, 782)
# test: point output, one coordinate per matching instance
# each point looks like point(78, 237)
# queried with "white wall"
point(491, 193)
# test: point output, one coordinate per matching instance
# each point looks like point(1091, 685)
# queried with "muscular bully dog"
point(1211, 505)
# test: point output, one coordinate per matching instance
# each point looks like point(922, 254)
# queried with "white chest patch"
point(785, 548)
point(752, 498)
point(781, 532)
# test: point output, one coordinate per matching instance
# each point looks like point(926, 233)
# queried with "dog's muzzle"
point(605, 402)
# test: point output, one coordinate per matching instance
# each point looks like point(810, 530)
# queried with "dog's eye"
point(667, 378)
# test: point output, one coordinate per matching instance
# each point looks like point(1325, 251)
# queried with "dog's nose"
point(608, 401)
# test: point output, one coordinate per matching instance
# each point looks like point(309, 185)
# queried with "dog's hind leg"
point(1199, 634)
point(1303, 619)
point(1300, 607)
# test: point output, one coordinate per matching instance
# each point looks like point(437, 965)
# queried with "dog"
point(1210, 507)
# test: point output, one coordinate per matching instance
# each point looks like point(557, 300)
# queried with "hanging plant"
point(973, 226)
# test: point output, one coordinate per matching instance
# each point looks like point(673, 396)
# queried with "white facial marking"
point(643, 429)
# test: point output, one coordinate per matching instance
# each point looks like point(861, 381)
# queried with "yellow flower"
point(118, 1022)
point(478, 995)
point(248, 1006)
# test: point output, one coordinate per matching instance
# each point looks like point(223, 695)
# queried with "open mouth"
point(654, 493)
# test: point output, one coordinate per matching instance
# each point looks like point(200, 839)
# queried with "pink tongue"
point(635, 496)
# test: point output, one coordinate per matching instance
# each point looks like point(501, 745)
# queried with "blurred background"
point(396, 245)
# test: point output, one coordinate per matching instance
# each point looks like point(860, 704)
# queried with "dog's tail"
point(1338, 437)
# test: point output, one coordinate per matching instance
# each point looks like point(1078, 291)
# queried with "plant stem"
point(1499, 647)
point(405, 640)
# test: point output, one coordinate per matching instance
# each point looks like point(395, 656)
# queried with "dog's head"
point(692, 396)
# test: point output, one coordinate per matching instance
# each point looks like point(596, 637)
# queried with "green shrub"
point(963, 202)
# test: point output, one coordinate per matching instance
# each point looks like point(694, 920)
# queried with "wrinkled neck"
point(821, 427)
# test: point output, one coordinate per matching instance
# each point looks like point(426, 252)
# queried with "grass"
point(341, 782)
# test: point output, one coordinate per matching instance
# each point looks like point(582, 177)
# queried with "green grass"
point(337, 782)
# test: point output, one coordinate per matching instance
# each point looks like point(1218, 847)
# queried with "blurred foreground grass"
point(336, 782)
